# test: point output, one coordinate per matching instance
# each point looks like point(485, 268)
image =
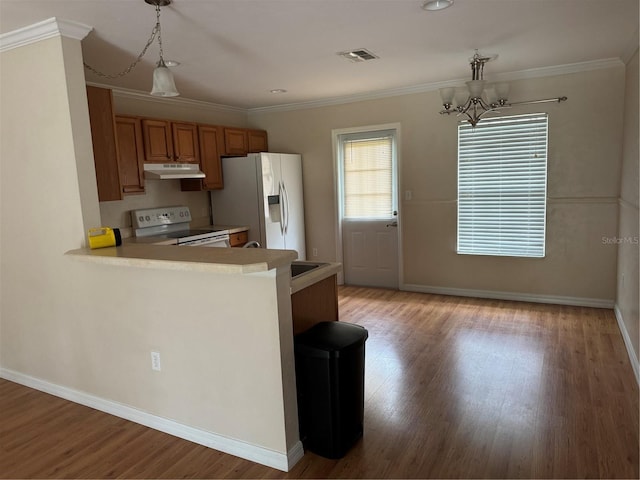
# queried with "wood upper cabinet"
point(240, 141)
point(235, 141)
point(130, 153)
point(185, 142)
point(211, 141)
point(158, 143)
point(257, 141)
point(166, 141)
point(210, 149)
point(105, 152)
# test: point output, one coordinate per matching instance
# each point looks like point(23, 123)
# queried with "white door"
point(367, 171)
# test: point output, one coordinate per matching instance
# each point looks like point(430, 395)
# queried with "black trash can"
point(330, 383)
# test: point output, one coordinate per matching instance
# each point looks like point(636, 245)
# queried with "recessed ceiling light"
point(171, 63)
point(436, 4)
point(278, 90)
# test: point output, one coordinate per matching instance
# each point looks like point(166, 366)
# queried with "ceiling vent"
point(360, 55)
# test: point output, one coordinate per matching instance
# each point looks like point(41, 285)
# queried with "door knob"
point(392, 224)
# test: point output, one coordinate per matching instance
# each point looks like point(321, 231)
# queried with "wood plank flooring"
point(455, 388)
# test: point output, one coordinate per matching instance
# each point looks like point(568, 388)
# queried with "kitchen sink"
point(300, 268)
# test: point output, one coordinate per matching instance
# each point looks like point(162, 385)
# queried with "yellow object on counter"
point(104, 237)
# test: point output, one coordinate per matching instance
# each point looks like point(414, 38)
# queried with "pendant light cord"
point(155, 32)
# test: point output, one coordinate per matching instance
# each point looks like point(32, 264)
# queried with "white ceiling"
point(233, 52)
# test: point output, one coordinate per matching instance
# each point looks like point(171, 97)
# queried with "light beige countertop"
point(307, 279)
point(221, 260)
point(232, 228)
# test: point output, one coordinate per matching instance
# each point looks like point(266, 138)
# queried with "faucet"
point(251, 244)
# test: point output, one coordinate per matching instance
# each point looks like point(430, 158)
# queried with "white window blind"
point(502, 186)
point(367, 174)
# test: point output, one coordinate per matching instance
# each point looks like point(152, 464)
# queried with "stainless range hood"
point(171, 171)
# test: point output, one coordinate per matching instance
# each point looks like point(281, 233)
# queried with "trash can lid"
point(332, 336)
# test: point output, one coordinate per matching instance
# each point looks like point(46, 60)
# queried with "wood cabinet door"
point(185, 142)
point(235, 141)
point(238, 239)
point(158, 146)
point(130, 153)
point(257, 141)
point(210, 149)
point(105, 152)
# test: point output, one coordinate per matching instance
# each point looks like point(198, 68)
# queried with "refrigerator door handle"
point(286, 207)
point(281, 195)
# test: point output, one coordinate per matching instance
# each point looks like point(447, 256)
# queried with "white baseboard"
point(627, 343)
point(515, 296)
point(264, 456)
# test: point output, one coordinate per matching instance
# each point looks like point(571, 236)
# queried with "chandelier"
point(479, 98)
point(163, 83)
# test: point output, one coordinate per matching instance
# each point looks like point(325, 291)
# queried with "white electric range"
point(172, 226)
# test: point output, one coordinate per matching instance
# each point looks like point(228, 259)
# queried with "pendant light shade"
point(163, 83)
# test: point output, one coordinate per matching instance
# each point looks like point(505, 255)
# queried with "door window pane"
point(367, 175)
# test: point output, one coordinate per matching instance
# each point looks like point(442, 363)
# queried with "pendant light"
point(163, 82)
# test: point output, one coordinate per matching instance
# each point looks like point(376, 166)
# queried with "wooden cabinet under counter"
point(238, 239)
point(314, 304)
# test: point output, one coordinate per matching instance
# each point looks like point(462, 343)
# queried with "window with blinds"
point(502, 186)
point(367, 162)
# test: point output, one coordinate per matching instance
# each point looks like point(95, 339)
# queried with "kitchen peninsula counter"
point(219, 260)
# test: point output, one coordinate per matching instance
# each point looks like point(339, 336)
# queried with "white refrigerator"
point(264, 192)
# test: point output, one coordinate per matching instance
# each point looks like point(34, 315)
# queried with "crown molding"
point(52, 27)
point(428, 87)
point(186, 102)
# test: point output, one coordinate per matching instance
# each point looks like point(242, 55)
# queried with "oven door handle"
point(219, 241)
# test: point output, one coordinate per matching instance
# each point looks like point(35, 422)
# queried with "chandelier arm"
point(531, 102)
point(155, 32)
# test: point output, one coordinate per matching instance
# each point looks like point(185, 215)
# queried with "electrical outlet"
point(155, 361)
point(314, 252)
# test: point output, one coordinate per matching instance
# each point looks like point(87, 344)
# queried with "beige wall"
point(628, 285)
point(584, 175)
point(91, 327)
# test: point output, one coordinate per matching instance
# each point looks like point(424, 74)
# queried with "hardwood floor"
point(455, 388)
